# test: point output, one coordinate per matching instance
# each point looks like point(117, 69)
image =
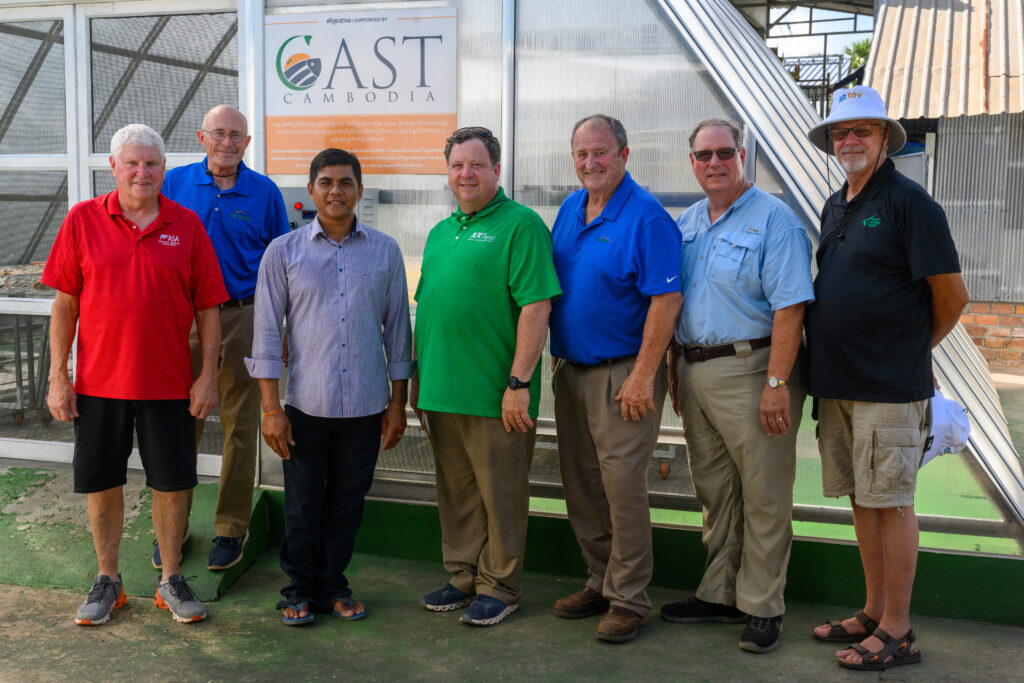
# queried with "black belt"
point(697, 354)
point(238, 303)
point(607, 361)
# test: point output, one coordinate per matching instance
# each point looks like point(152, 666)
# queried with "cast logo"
point(872, 221)
point(241, 215)
point(481, 237)
point(170, 240)
point(299, 71)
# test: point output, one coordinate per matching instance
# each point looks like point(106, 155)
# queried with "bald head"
point(223, 114)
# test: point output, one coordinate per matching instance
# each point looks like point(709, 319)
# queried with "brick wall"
point(998, 330)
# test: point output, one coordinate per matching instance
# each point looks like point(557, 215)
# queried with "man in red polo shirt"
point(133, 269)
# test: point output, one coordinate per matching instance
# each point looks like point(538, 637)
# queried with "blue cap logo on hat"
point(854, 104)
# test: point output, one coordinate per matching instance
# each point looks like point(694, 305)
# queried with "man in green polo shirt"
point(483, 302)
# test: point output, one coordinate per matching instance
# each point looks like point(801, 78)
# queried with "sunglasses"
point(469, 133)
point(724, 153)
point(840, 134)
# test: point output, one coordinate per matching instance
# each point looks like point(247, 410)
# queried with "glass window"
point(32, 88)
point(164, 71)
point(32, 206)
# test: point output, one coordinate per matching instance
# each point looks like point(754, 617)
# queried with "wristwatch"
point(516, 383)
point(775, 382)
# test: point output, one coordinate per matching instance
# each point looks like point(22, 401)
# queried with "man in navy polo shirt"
point(617, 257)
point(888, 290)
point(242, 211)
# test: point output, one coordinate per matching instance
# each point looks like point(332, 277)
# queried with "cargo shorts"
point(872, 450)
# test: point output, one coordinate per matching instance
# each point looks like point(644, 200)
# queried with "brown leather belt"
point(697, 354)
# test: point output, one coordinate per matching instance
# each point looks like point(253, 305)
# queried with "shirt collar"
point(168, 210)
point(499, 199)
point(316, 230)
point(242, 186)
point(875, 184)
point(611, 210)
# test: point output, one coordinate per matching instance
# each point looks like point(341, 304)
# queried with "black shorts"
point(103, 443)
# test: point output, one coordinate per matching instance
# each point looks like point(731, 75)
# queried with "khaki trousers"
point(743, 478)
point(483, 499)
point(604, 461)
point(239, 407)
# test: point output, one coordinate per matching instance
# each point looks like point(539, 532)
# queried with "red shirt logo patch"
point(170, 240)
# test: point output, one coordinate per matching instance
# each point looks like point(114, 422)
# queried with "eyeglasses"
point(840, 134)
point(724, 153)
point(219, 135)
point(469, 133)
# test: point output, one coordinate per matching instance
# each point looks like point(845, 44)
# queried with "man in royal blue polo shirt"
point(242, 211)
point(617, 257)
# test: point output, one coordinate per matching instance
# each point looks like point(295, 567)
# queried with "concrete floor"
point(243, 639)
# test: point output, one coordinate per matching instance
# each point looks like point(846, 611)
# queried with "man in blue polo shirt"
point(735, 378)
point(242, 211)
point(617, 257)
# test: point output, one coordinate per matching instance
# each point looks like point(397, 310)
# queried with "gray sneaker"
point(105, 596)
point(175, 595)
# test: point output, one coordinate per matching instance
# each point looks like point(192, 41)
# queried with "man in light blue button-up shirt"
point(341, 286)
point(737, 382)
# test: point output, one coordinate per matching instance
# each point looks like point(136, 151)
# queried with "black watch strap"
point(516, 383)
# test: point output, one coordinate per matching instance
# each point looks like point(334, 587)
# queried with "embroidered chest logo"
point(170, 240)
point(241, 215)
point(872, 222)
point(481, 237)
point(604, 239)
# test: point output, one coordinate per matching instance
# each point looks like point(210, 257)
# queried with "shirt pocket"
point(895, 457)
point(732, 256)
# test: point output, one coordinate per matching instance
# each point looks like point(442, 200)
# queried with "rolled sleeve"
point(264, 369)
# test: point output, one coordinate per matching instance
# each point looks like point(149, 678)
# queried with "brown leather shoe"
point(580, 604)
point(619, 625)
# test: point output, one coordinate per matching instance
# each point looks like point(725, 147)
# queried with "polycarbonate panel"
point(32, 206)
point(623, 60)
point(164, 71)
point(32, 88)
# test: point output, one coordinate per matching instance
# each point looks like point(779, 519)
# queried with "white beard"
point(853, 165)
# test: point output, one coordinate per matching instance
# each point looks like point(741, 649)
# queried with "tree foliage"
point(858, 53)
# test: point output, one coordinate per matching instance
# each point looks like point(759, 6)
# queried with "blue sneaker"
point(446, 599)
point(226, 552)
point(487, 611)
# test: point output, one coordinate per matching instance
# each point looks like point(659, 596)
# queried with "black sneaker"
point(693, 610)
point(761, 634)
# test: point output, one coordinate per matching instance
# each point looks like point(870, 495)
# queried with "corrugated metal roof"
point(946, 58)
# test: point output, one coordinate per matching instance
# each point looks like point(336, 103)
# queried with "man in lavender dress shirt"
point(341, 286)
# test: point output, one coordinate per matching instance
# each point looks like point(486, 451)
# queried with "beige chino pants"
point(239, 410)
point(743, 478)
point(604, 462)
point(483, 500)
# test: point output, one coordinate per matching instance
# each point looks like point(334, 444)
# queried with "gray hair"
point(614, 125)
point(733, 129)
point(136, 134)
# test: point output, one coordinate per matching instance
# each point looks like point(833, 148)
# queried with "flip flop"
point(348, 602)
point(839, 634)
point(298, 606)
point(898, 648)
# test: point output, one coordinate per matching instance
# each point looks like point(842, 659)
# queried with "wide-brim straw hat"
point(853, 104)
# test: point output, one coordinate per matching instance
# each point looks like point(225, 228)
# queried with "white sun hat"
point(950, 428)
point(852, 104)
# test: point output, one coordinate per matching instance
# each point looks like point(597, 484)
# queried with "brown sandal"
point(839, 634)
point(897, 648)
